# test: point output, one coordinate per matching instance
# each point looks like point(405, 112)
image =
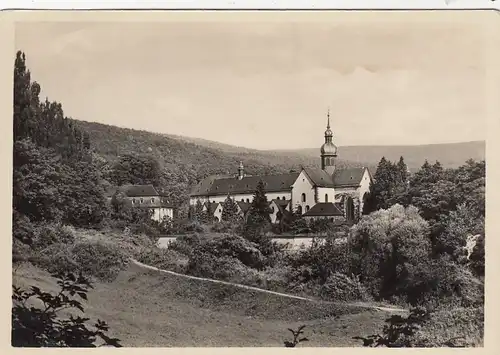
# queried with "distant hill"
point(450, 155)
point(185, 161)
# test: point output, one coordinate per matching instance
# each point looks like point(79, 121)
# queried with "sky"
point(397, 79)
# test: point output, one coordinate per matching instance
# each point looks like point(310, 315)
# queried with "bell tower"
point(328, 150)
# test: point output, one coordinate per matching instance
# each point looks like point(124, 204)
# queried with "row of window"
point(141, 200)
point(304, 197)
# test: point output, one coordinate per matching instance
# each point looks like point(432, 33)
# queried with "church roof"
point(319, 177)
point(214, 185)
point(348, 177)
point(323, 209)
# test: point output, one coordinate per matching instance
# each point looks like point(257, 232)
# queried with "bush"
point(35, 327)
point(165, 259)
point(220, 268)
point(92, 258)
point(186, 244)
point(22, 228)
point(340, 287)
point(46, 235)
point(458, 327)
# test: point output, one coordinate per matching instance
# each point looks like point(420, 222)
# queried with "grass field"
point(146, 308)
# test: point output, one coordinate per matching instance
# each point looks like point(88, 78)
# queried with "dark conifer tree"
point(229, 210)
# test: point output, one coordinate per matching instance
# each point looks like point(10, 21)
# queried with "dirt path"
point(356, 304)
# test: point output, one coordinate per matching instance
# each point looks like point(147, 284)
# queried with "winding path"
point(356, 304)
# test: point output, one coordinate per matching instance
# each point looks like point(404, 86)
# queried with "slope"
point(148, 308)
point(450, 155)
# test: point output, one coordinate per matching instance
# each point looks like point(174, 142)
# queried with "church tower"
point(328, 150)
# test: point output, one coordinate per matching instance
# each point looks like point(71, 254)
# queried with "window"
point(303, 197)
point(272, 208)
point(326, 197)
point(283, 198)
point(142, 200)
point(133, 200)
point(242, 200)
point(248, 200)
point(278, 198)
point(307, 208)
point(299, 209)
point(152, 200)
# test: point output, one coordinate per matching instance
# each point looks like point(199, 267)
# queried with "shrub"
point(165, 259)
point(22, 228)
point(46, 235)
point(102, 260)
point(186, 244)
point(459, 327)
point(456, 327)
point(35, 327)
point(340, 287)
point(91, 257)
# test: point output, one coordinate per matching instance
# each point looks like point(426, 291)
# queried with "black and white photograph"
point(283, 179)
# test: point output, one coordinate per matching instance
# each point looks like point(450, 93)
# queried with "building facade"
point(333, 190)
point(145, 196)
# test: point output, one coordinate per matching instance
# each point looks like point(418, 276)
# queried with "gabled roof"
point(320, 178)
point(348, 177)
point(133, 190)
point(244, 206)
point(211, 206)
point(326, 209)
point(222, 186)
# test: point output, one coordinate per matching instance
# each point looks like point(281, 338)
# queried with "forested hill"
point(203, 155)
point(450, 155)
point(184, 163)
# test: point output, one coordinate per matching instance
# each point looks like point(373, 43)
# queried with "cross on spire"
point(328, 115)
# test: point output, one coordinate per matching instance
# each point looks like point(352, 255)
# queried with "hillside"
point(185, 161)
point(450, 155)
point(146, 308)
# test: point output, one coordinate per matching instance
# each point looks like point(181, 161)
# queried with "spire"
point(241, 173)
point(328, 115)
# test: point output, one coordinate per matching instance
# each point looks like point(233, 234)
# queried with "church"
point(326, 192)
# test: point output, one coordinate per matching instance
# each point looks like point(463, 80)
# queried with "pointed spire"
point(328, 115)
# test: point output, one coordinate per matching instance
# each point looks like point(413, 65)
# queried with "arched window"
point(152, 200)
point(242, 200)
point(278, 198)
point(326, 197)
point(133, 200)
point(283, 198)
point(142, 200)
point(299, 209)
point(303, 197)
point(248, 200)
point(307, 208)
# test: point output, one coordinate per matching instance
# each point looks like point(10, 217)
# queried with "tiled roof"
point(223, 186)
point(323, 209)
point(133, 190)
point(348, 177)
point(211, 206)
point(282, 204)
point(319, 177)
point(244, 206)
